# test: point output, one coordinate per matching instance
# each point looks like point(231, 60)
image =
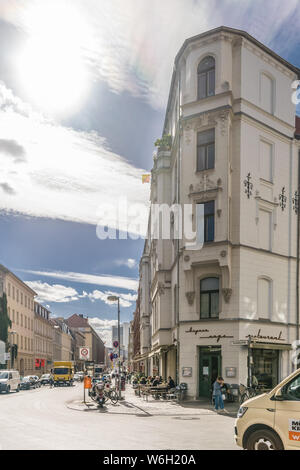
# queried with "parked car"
point(36, 380)
point(9, 381)
point(45, 379)
point(271, 421)
point(27, 383)
point(77, 377)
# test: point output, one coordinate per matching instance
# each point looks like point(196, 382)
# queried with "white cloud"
point(112, 281)
point(62, 173)
point(130, 263)
point(132, 44)
point(103, 328)
point(60, 293)
point(53, 293)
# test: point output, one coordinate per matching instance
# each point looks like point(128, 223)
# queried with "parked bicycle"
point(247, 392)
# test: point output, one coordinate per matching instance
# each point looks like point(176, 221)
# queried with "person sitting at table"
point(156, 381)
point(143, 381)
point(171, 383)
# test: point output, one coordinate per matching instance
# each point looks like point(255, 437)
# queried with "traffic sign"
point(115, 344)
point(84, 353)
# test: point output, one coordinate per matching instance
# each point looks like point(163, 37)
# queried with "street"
point(51, 419)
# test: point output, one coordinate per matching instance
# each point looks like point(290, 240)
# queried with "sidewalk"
point(134, 405)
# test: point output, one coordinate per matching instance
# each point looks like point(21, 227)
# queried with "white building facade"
point(225, 302)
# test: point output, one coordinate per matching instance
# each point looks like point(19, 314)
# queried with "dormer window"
point(206, 77)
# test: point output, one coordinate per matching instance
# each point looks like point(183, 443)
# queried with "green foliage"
point(5, 322)
point(164, 142)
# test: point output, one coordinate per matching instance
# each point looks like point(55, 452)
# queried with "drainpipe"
point(178, 240)
point(298, 253)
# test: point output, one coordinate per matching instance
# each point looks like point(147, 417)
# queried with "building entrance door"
point(210, 367)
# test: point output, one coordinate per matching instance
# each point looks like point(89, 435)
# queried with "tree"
point(5, 322)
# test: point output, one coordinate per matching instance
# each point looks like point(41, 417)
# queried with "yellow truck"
point(63, 373)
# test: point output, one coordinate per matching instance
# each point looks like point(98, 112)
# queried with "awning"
point(281, 347)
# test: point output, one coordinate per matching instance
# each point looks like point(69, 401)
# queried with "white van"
point(9, 381)
point(271, 421)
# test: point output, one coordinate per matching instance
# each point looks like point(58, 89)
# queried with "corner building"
point(230, 307)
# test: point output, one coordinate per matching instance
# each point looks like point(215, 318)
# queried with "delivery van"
point(63, 373)
point(271, 421)
point(9, 381)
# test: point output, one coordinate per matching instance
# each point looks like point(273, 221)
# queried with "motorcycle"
point(97, 393)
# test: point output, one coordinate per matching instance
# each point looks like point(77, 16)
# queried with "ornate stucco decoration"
point(190, 297)
point(227, 294)
point(160, 288)
point(205, 184)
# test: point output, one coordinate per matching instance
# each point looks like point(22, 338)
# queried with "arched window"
point(209, 297)
point(264, 298)
point(206, 77)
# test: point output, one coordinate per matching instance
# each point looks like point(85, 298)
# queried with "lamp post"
point(115, 298)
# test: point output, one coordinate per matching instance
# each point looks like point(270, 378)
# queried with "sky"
point(83, 91)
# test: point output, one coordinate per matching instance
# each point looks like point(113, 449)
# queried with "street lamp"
point(115, 298)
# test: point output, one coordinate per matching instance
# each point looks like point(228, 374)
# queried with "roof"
point(77, 321)
point(225, 29)
point(7, 271)
point(297, 126)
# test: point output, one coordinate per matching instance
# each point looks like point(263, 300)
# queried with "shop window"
point(265, 367)
point(206, 77)
point(206, 150)
point(205, 222)
point(209, 297)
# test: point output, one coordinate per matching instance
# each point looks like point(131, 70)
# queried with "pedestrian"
point(217, 394)
point(171, 383)
point(51, 381)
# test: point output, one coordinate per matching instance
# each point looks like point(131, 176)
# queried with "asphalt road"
point(42, 419)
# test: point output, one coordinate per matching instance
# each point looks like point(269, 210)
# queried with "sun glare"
point(51, 65)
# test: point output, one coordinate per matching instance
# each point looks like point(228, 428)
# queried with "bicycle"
point(246, 393)
point(111, 394)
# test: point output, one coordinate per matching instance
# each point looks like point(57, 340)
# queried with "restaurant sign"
point(258, 336)
point(208, 336)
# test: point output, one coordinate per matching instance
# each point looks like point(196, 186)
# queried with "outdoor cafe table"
point(160, 390)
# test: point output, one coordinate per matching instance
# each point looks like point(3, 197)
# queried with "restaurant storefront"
point(238, 351)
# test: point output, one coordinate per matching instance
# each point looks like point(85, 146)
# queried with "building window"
point(264, 298)
point(209, 297)
point(206, 222)
point(206, 77)
point(266, 161)
point(265, 229)
point(267, 93)
point(206, 150)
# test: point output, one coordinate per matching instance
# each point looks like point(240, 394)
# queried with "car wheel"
point(264, 439)
point(8, 389)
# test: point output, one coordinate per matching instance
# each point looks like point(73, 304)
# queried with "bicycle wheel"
point(244, 397)
point(114, 397)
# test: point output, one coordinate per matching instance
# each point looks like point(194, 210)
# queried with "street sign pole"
point(119, 349)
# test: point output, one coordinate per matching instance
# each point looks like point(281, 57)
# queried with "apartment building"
point(20, 306)
point(220, 296)
point(43, 339)
point(92, 339)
